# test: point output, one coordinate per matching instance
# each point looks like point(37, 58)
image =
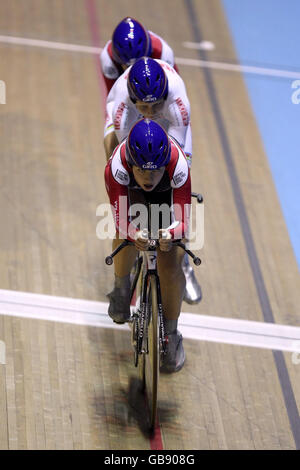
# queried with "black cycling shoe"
point(119, 305)
point(174, 358)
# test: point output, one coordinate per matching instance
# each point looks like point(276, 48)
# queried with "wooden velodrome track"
point(68, 386)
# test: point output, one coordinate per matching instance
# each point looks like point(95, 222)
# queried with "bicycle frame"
point(150, 270)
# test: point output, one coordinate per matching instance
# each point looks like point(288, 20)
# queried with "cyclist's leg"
point(124, 261)
point(172, 282)
point(119, 306)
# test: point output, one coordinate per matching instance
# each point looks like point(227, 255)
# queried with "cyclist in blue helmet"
point(152, 89)
point(147, 82)
point(130, 41)
point(148, 146)
point(150, 166)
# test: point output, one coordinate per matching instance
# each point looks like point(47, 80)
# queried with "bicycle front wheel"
point(152, 358)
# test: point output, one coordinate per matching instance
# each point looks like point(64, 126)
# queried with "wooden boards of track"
point(67, 386)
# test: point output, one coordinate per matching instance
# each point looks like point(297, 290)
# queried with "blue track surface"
point(266, 33)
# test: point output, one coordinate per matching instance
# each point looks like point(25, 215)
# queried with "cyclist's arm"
point(120, 116)
point(119, 199)
point(109, 70)
point(110, 137)
point(110, 143)
point(181, 206)
point(161, 49)
point(180, 125)
point(109, 82)
point(180, 178)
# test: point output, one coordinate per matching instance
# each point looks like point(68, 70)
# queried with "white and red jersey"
point(119, 179)
point(112, 70)
point(174, 117)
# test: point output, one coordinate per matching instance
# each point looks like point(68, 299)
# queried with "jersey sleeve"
point(109, 83)
point(116, 183)
point(121, 114)
point(110, 103)
point(181, 198)
point(179, 113)
point(109, 70)
point(161, 49)
point(179, 118)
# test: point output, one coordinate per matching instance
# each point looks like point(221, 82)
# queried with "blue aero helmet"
point(147, 81)
point(130, 41)
point(148, 145)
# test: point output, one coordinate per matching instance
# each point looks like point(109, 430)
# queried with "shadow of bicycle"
point(126, 410)
point(137, 408)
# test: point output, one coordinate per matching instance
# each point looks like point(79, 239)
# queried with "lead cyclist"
point(149, 166)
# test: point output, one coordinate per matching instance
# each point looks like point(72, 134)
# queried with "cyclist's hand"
point(165, 240)
point(142, 240)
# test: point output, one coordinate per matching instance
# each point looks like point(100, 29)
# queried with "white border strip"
point(49, 44)
point(179, 60)
point(192, 326)
point(239, 68)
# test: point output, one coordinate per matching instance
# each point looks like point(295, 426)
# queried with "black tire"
point(136, 285)
point(151, 372)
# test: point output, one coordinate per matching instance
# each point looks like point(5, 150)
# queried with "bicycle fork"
point(145, 312)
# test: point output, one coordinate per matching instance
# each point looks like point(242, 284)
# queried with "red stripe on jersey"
point(183, 111)
point(123, 158)
point(109, 50)
point(118, 115)
point(156, 47)
point(110, 53)
point(181, 196)
point(118, 197)
point(173, 161)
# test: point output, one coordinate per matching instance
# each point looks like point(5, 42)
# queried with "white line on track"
point(49, 44)
point(179, 60)
point(203, 45)
point(192, 326)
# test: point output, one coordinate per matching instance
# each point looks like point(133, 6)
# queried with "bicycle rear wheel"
point(151, 360)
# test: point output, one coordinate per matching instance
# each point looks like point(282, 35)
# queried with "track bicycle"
point(148, 336)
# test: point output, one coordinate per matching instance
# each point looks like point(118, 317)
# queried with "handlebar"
point(199, 197)
point(153, 244)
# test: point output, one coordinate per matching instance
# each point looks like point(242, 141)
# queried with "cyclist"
point(130, 41)
point(152, 89)
point(150, 166)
